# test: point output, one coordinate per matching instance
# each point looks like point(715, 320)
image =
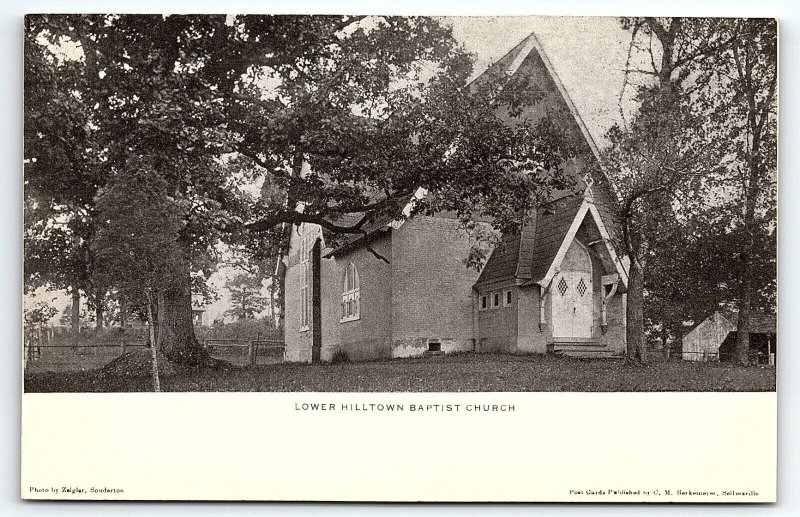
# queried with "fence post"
point(251, 353)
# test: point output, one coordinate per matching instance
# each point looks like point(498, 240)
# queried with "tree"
point(246, 296)
point(679, 155)
point(141, 226)
point(341, 115)
point(749, 73)
point(61, 177)
point(656, 163)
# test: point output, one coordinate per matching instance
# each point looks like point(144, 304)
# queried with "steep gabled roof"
point(555, 220)
point(527, 255)
point(530, 255)
point(503, 262)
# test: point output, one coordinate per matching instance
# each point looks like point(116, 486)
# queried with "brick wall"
point(298, 343)
point(331, 289)
point(530, 338)
point(431, 287)
point(368, 337)
point(497, 326)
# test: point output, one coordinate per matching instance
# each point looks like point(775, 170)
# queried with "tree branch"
point(377, 255)
point(292, 217)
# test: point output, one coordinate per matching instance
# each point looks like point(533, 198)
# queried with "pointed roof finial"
point(589, 181)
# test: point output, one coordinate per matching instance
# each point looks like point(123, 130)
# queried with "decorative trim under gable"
point(586, 207)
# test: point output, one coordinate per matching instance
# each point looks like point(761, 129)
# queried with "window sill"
point(350, 318)
point(305, 329)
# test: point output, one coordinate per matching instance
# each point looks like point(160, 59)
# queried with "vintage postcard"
point(400, 258)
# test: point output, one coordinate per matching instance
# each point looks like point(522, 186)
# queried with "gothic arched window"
point(351, 294)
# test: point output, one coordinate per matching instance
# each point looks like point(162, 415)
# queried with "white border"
point(10, 223)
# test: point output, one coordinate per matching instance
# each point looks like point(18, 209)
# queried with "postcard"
point(400, 258)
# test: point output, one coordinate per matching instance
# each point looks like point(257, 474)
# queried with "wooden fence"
point(714, 357)
point(246, 352)
point(45, 352)
point(68, 358)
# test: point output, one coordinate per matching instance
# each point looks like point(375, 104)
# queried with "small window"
point(582, 287)
point(507, 298)
point(434, 346)
point(562, 286)
point(495, 300)
point(484, 302)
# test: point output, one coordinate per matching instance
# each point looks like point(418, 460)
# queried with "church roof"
point(588, 55)
point(528, 254)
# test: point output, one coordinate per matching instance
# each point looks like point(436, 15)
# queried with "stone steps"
point(580, 349)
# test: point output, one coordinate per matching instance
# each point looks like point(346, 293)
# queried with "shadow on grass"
point(452, 373)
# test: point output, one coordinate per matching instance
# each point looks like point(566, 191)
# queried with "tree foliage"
point(697, 167)
point(337, 114)
point(246, 298)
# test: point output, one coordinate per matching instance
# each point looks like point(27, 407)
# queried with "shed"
point(714, 338)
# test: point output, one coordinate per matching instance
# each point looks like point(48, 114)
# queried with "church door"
point(572, 296)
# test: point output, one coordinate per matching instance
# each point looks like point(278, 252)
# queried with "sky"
point(588, 54)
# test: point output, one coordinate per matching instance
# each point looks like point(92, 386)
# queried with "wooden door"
point(572, 305)
point(572, 295)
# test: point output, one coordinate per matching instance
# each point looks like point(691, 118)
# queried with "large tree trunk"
point(746, 282)
point(634, 334)
point(153, 342)
point(98, 311)
point(176, 336)
point(76, 314)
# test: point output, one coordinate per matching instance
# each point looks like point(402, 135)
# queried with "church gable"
point(555, 220)
point(528, 254)
point(536, 253)
point(565, 241)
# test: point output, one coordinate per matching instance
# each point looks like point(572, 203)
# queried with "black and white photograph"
point(349, 204)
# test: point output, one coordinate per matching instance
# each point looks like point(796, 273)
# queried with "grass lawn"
point(464, 372)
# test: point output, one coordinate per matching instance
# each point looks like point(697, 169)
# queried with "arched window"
point(351, 298)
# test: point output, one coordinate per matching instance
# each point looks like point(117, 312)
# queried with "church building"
point(403, 290)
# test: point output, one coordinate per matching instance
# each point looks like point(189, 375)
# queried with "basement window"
point(434, 346)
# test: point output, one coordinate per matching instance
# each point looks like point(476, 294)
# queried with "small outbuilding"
point(714, 339)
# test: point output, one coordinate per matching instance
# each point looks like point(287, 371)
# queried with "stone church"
point(402, 290)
